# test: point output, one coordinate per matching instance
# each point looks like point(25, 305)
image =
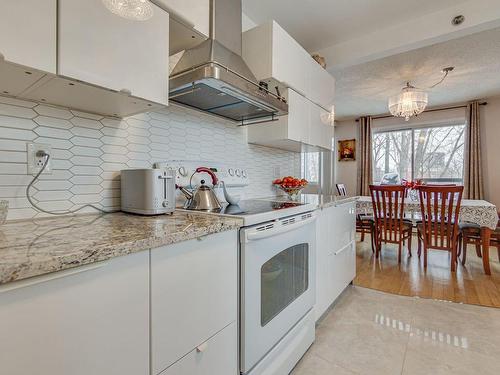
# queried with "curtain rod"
point(428, 110)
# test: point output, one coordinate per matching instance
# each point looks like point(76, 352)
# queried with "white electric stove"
point(277, 273)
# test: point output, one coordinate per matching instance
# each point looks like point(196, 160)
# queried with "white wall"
point(89, 151)
point(346, 172)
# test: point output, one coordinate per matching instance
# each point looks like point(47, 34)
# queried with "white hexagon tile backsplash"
point(90, 150)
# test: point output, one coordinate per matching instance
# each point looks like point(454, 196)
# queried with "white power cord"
point(68, 212)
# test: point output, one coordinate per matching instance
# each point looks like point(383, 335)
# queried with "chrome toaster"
point(148, 191)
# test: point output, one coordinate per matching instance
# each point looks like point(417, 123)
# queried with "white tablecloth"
point(479, 212)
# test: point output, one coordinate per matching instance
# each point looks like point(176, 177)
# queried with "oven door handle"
point(253, 236)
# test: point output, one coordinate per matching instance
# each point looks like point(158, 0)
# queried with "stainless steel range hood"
point(213, 77)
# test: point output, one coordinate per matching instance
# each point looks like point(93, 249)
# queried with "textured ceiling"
point(318, 24)
point(364, 89)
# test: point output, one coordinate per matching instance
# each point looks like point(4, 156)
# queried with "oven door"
point(277, 276)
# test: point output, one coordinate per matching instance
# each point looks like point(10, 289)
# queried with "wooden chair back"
point(388, 203)
point(440, 209)
point(341, 190)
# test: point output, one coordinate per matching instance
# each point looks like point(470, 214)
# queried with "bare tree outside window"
point(434, 154)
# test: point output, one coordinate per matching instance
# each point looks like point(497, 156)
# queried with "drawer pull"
point(202, 347)
point(348, 247)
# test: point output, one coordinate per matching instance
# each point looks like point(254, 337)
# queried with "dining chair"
point(364, 222)
point(438, 229)
point(470, 234)
point(390, 224)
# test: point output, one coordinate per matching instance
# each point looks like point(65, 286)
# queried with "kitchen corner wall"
point(89, 151)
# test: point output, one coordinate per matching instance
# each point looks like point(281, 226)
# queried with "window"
point(433, 154)
point(310, 167)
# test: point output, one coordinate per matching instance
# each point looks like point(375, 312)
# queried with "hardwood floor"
point(468, 285)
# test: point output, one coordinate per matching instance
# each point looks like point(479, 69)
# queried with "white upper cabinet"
point(321, 86)
point(104, 49)
point(192, 13)
point(305, 125)
point(275, 57)
point(28, 33)
point(320, 130)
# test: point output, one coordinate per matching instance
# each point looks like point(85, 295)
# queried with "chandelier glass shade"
point(136, 10)
point(409, 102)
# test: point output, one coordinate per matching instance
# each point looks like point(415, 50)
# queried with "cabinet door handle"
point(126, 91)
point(52, 276)
point(343, 249)
point(201, 348)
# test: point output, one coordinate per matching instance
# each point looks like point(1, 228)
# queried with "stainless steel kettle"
point(203, 198)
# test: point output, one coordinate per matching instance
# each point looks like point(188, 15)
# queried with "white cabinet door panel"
point(321, 86)
point(195, 13)
point(298, 117)
point(320, 131)
point(28, 33)
point(101, 48)
point(342, 268)
point(290, 61)
point(218, 356)
point(193, 295)
point(92, 322)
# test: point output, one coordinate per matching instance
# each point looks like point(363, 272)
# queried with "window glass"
point(392, 154)
point(433, 154)
point(439, 154)
point(310, 166)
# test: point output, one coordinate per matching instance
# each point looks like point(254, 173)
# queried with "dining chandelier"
point(412, 101)
point(136, 10)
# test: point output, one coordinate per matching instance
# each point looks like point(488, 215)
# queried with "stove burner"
point(252, 207)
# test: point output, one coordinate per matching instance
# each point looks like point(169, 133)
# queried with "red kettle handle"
point(215, 181)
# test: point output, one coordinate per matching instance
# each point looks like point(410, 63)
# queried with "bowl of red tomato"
point(291, 186)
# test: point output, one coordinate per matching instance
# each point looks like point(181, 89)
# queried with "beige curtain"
point(365, 174)
point(473, 179)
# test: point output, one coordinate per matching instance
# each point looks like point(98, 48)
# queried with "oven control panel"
point(232, 175)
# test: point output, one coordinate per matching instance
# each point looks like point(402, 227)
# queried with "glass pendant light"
point(410, 102)
point(136, 10)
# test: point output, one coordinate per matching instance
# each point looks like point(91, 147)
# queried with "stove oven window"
point(283, 279)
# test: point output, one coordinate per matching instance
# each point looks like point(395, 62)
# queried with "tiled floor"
point(370, 332)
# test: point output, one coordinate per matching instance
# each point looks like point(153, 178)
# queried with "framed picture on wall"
point(347, 150)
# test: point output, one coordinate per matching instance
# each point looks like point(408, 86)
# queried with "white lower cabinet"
point(335, 255)
point(194, 297)
point(217, 355)
point(88, 320)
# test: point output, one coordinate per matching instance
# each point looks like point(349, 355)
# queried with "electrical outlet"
point(276, 171)
point(36, 161)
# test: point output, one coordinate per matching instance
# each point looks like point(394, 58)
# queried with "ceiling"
point(318, 24)
point(364, 89)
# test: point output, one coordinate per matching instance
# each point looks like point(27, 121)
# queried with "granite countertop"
point(40, 246)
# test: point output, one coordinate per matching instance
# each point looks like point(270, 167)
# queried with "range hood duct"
point(213, 77)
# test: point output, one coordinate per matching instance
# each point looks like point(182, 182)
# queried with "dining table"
point(479, 212)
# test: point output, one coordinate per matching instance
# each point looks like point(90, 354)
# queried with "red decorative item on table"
point(413, 186)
